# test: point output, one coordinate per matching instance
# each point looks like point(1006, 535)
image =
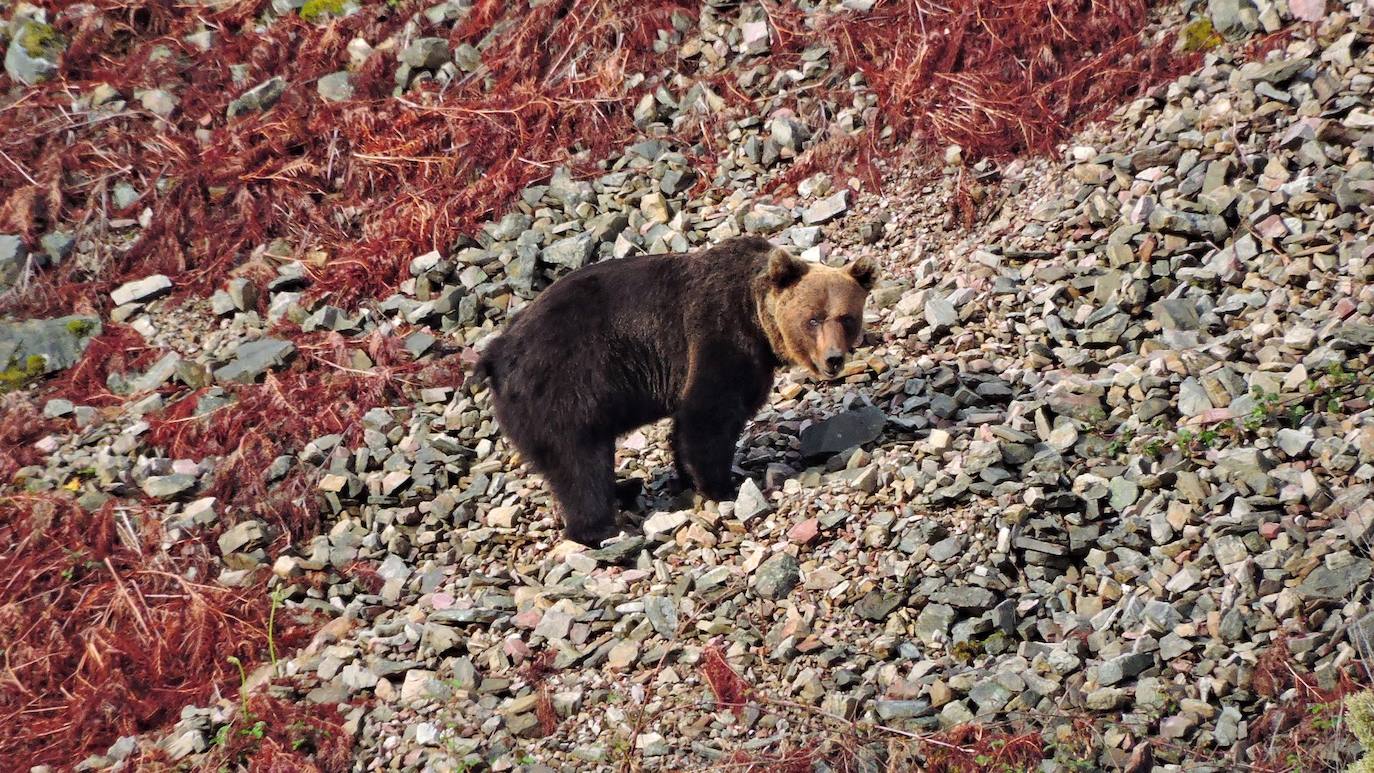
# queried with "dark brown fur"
point(624, 343)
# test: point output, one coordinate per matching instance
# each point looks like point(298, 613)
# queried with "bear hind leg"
point(583, 481)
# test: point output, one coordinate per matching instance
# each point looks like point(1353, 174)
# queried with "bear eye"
point(814, 322)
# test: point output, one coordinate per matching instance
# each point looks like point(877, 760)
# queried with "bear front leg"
point(706, 449)
point(583, 480)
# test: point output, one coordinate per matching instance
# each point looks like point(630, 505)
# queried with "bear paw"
point(592, 536)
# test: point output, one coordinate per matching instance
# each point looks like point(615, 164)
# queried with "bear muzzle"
point(832, 364)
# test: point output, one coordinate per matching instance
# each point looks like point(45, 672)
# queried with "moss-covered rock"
point(34, 53)
point(319, 10)
point(36, 347)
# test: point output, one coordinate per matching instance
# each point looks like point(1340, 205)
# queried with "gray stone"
point(426, 53)
point(573, 252)
point(1106, 698)
point(766, 218)
point(157, 374)
point(969, 597)
point(167, 486)
point(750, 502)
point(1294, 442)
point(827, 208)
point(556, 622)
point(253, 359)
point(652, 745)
point(260, 97)
point(902, 709)
point(1176, 314)
point(1189, 224)
point(14, 258)
point(876, 605)
point(142, 290)
point(932, 625)
point(940, 313)
point(1124, 667)
point(660, 527)
point(788, 133)
point(946, 549)
point(990, 696)
point(776, 577)
point(1192, 398)
point(662, 614)
point(1326, 583)
point(1227, 731)
point(159, 102)
point(57, 408)
point(510, 226)
point(1124, 493)
point(1227, 17)
point(619, 551)
point(336, 86)
point(248, 534)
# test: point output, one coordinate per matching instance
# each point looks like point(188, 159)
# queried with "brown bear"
point(623, 343)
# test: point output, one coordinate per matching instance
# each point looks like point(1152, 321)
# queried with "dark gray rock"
point(255, 358)
point(1328, 584)
point(260, 97)
point(842, 432)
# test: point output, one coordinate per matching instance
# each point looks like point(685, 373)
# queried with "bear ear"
point(864, 272)
point(785, 270)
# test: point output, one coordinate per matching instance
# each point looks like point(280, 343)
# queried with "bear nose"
point(834, 362)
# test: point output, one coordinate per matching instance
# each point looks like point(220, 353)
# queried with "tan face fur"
point(817, 311)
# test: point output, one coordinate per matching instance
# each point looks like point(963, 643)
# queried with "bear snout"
point(834, 363)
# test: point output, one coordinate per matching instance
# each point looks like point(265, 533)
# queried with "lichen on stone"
point(39, 39)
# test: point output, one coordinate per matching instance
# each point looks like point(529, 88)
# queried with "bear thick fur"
point(623, 343)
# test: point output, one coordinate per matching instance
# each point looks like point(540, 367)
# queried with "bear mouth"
point(821, 372)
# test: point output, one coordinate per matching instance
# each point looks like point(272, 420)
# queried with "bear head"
point(813, 313)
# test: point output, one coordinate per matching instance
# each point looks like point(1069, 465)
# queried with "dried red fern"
point(21, 426)
point(1000, 78)
point(726, 684)
point(108, 635)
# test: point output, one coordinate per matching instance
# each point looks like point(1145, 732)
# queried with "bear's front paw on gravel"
point(592, 537)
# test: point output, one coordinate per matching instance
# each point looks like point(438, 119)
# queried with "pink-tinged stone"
point(1344, 308)
point(1270, 531)
point(515, 647)
point(804, 532)
point(1214, 415)
point(527, 619)
point(441, 600)
point(1308, 10)
point(1272, 227)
